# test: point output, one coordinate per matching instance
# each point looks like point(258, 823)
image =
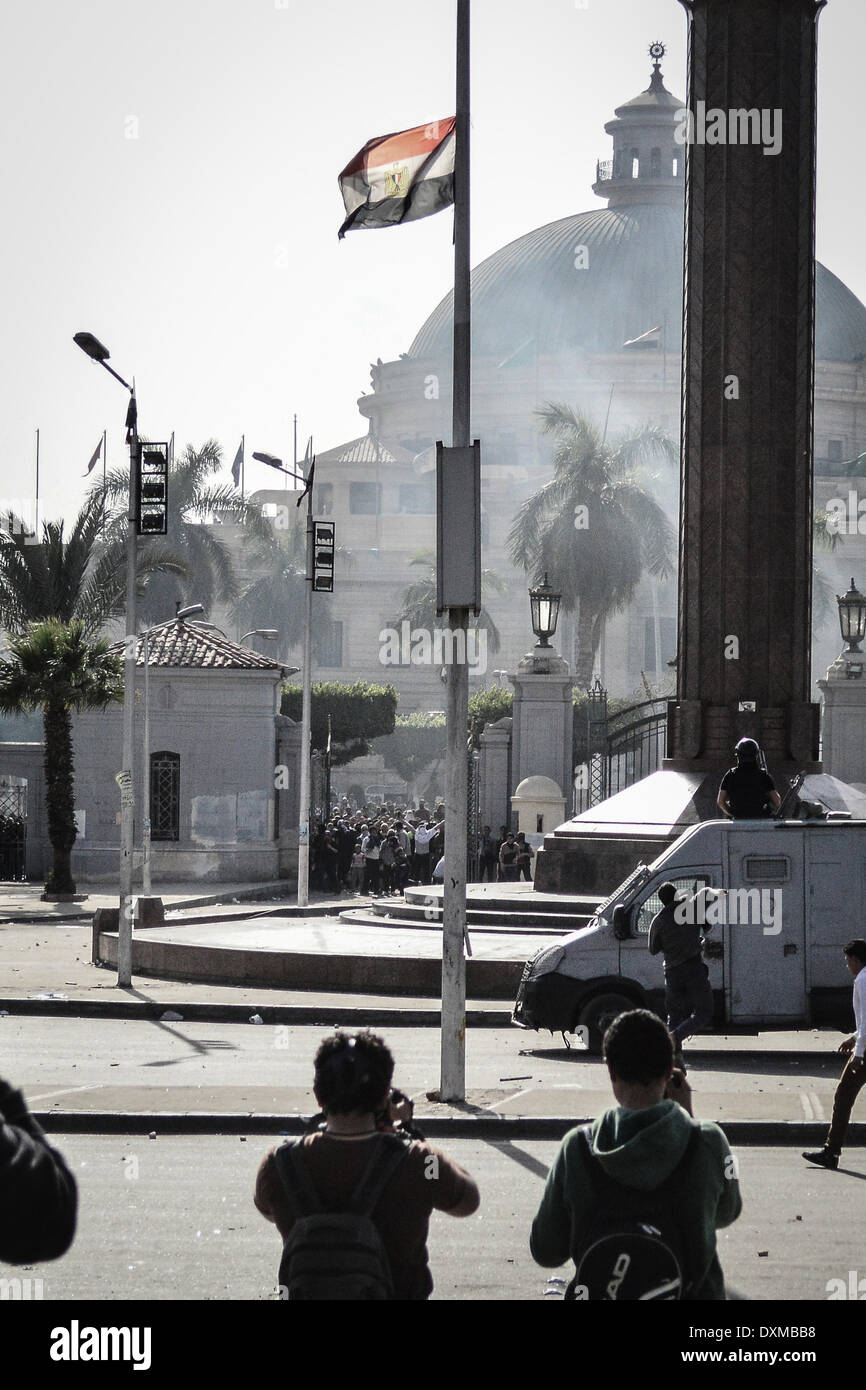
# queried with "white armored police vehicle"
point(783, 899)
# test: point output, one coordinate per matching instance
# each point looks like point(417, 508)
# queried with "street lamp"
point(306, 704)
point(100, 354)
point(270, 634)
point(544, 603)
point(852, 621)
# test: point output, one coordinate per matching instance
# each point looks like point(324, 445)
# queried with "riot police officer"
point(748, 792)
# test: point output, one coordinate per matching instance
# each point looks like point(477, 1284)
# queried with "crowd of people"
point(381, 849)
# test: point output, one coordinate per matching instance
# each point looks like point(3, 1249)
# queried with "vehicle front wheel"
point(598, 1013)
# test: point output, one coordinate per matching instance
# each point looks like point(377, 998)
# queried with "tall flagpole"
point(36, 526)
point(453, 1047)
point(104, 457)
point(243, 464)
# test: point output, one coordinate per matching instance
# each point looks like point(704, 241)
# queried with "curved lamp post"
point(306, 703)
point(97, 352)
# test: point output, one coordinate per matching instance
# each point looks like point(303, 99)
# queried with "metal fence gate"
point(13, 833)
point(621, 748)
point(473, 812)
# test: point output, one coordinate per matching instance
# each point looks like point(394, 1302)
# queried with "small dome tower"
point(648, 164)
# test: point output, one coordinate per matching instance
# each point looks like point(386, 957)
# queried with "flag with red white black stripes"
point(401, 177)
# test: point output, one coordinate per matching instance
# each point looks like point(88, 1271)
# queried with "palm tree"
point(275, 598)
point(418, 606)
point(594, 527)
point(204, 572)
point(77, 575)
point(54, 667)
point(826, 537)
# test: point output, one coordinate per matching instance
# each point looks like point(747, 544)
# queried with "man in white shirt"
point(854, 1076)
point(403, 838)
point(421, 862)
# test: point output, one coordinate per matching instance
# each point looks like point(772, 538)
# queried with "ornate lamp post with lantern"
point(544, 604)
point(852, 621)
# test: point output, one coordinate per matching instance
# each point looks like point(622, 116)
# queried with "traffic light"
point(323, 556)
point(152, 490)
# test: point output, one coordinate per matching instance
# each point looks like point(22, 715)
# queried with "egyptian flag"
point(238, 464)
point(401, 177)
point(651, 339)
point(94, 458)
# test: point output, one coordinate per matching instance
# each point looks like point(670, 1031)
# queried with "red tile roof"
point(184, 643)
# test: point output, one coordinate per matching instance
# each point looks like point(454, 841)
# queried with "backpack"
point(338, 1255)
point(633, 1247)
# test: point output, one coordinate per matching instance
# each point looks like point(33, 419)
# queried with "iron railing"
point(621, 748)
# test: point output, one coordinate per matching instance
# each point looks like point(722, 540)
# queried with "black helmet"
point(747, 751)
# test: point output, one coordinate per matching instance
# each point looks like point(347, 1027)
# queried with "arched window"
point(655, 163)
point(635, 163)
point(165, 796)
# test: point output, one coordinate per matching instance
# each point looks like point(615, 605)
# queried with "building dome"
point(538, 788)
point(531, 295)
point(600, 279)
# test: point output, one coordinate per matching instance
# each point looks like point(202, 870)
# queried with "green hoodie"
point(640, 1148)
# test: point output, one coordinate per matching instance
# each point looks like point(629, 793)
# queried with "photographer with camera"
point(635, 1199)
point(352, 1200)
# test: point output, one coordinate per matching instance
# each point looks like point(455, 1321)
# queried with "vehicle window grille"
point(653, 904)
point(757, 869)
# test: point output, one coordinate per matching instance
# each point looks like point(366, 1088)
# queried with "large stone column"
point(746, 503)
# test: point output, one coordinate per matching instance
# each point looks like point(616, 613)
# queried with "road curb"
point(320, 909)
point(764, 1133)
point(351, 1015)
point(328, 1015)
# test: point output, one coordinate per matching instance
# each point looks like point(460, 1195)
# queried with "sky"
point(170, 179)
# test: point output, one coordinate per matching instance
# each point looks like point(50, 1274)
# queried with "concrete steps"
point(477, 923)
point(491, 908)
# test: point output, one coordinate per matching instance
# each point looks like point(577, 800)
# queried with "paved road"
point(172, 1218)
point(113, 1064)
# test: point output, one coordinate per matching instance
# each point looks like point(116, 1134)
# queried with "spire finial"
point(657, 51)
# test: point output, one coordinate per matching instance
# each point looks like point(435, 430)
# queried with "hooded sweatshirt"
point(640, 1149)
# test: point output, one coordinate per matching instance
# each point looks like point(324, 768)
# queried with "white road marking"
point(67, 1091)
point(817, 1106)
